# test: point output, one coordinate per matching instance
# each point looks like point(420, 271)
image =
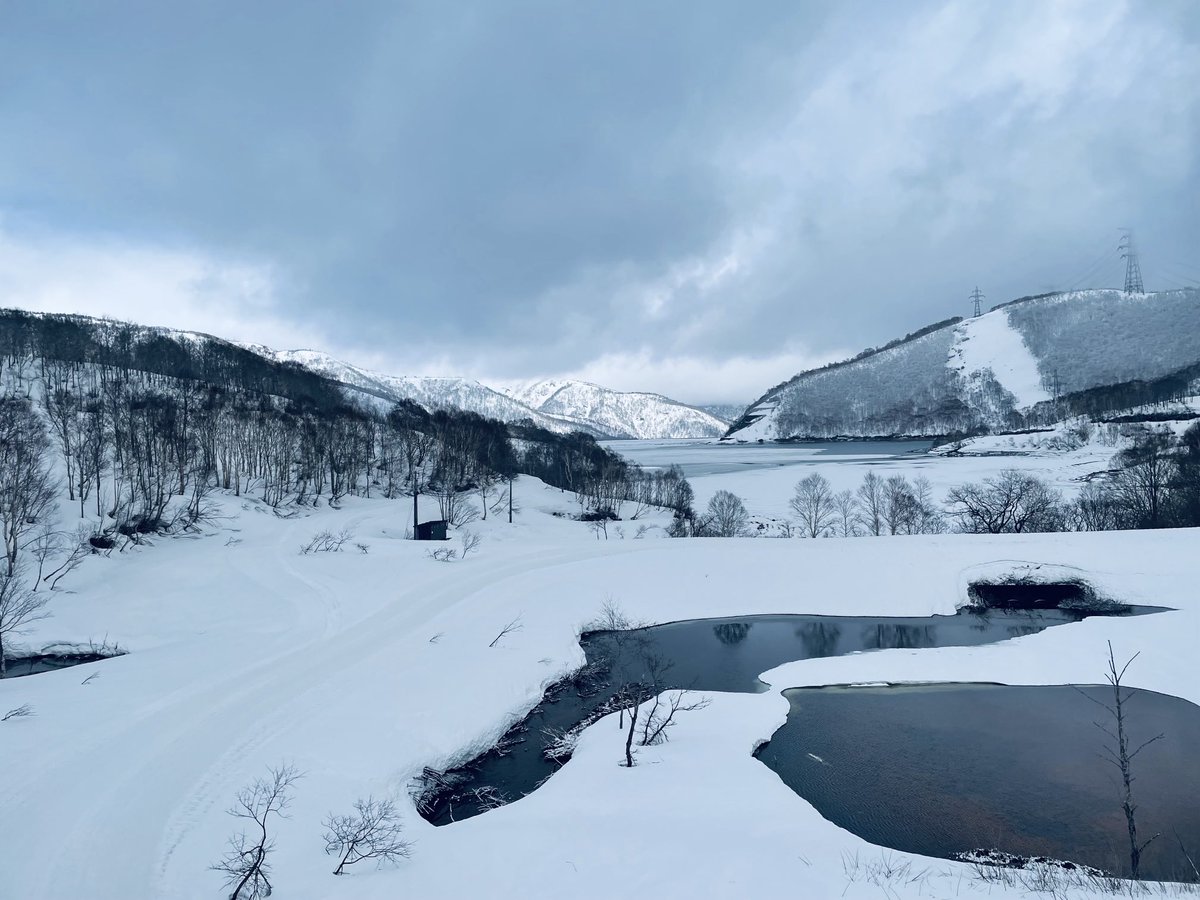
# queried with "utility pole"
point(1133, 268)
point(977, 296)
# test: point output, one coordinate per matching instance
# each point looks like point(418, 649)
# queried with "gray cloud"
point(626, 191)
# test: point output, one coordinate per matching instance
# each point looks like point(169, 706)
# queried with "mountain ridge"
point(1012, 366)
point(555, 404)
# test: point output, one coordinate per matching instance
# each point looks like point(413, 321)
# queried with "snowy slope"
point(430, 391)
point(988, 371)
point(989, 343)
point(633, 414)
point(245, 654)
point(560, 406)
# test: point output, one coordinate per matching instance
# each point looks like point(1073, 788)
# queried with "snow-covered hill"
point(430, 391)
point(993, 371)
point(634, 414)
point(559, 406)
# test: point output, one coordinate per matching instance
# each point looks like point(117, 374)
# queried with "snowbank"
point(362, 668)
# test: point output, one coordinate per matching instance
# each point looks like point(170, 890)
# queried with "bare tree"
point(372, 831)
point(27, 488)
point(870, 502)
point(245, 864)
point(727, 516)
point(1141, 488)
point(648, 701)
point(814, 504)
point(900, 507)
point(661, 711)
point(19, 608)
point(846, 508)
point(1118, 752)
point(1012, 502)
point(1095, 509)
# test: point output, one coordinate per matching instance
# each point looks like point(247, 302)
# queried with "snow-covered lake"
point(698, 458)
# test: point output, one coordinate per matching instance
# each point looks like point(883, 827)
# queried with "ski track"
point(190, 742)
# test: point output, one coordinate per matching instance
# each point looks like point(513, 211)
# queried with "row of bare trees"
point(1155, 483)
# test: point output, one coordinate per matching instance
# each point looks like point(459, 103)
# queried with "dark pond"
point(32, 665)
point(703, 654)
point(943, 769)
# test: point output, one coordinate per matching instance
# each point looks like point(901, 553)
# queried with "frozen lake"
point(698, 458)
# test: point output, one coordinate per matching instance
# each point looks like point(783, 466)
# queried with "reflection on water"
point(732, 632)
point(701, 654)
point(941, 769)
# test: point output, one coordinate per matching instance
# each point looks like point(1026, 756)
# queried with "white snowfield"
point(362, 669)
point(990, 343)
point(560, 406)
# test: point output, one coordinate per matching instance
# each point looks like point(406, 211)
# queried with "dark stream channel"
point(702, 654)
point(15, 667)
point(949, 768)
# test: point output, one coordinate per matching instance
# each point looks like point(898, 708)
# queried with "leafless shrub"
point(364, 549)
point(372, 831)
point(514, 625)
point(443, 554)
point(327, 542)
point(660, 714)
point(83, 545)
point(21, 712)
point(642, 531)
point(245, 864)
point(1065, 880)
point(19, 608)
point(470, 542)
point(887, 872)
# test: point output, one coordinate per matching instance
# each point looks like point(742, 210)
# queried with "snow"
point(362, 669)
point(560, 406)
point(989, 343)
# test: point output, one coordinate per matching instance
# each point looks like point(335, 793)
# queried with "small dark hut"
point(432, 531)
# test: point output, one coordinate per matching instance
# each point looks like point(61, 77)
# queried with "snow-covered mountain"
point(559, 406)
point(635, 414)
point(996, 370)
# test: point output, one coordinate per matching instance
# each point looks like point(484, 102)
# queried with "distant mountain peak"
point(555, 404)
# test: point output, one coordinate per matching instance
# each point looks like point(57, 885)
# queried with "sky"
point(698, 199)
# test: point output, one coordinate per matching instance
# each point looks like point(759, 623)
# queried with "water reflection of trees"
point(819, 638)
point(732, 632)
point(898, 637)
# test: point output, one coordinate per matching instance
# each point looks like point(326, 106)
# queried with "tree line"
point(138, 427)
point(1154, 483)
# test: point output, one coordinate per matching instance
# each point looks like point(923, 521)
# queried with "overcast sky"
point(696, 198)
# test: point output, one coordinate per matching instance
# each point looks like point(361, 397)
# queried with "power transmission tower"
point(977, 296)
point(1133, 268)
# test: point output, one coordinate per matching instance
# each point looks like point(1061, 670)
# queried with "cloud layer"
point(694, 200)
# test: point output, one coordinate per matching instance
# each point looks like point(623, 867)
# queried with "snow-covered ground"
point(767, 486)
point(361, 669)
point(989, 343)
